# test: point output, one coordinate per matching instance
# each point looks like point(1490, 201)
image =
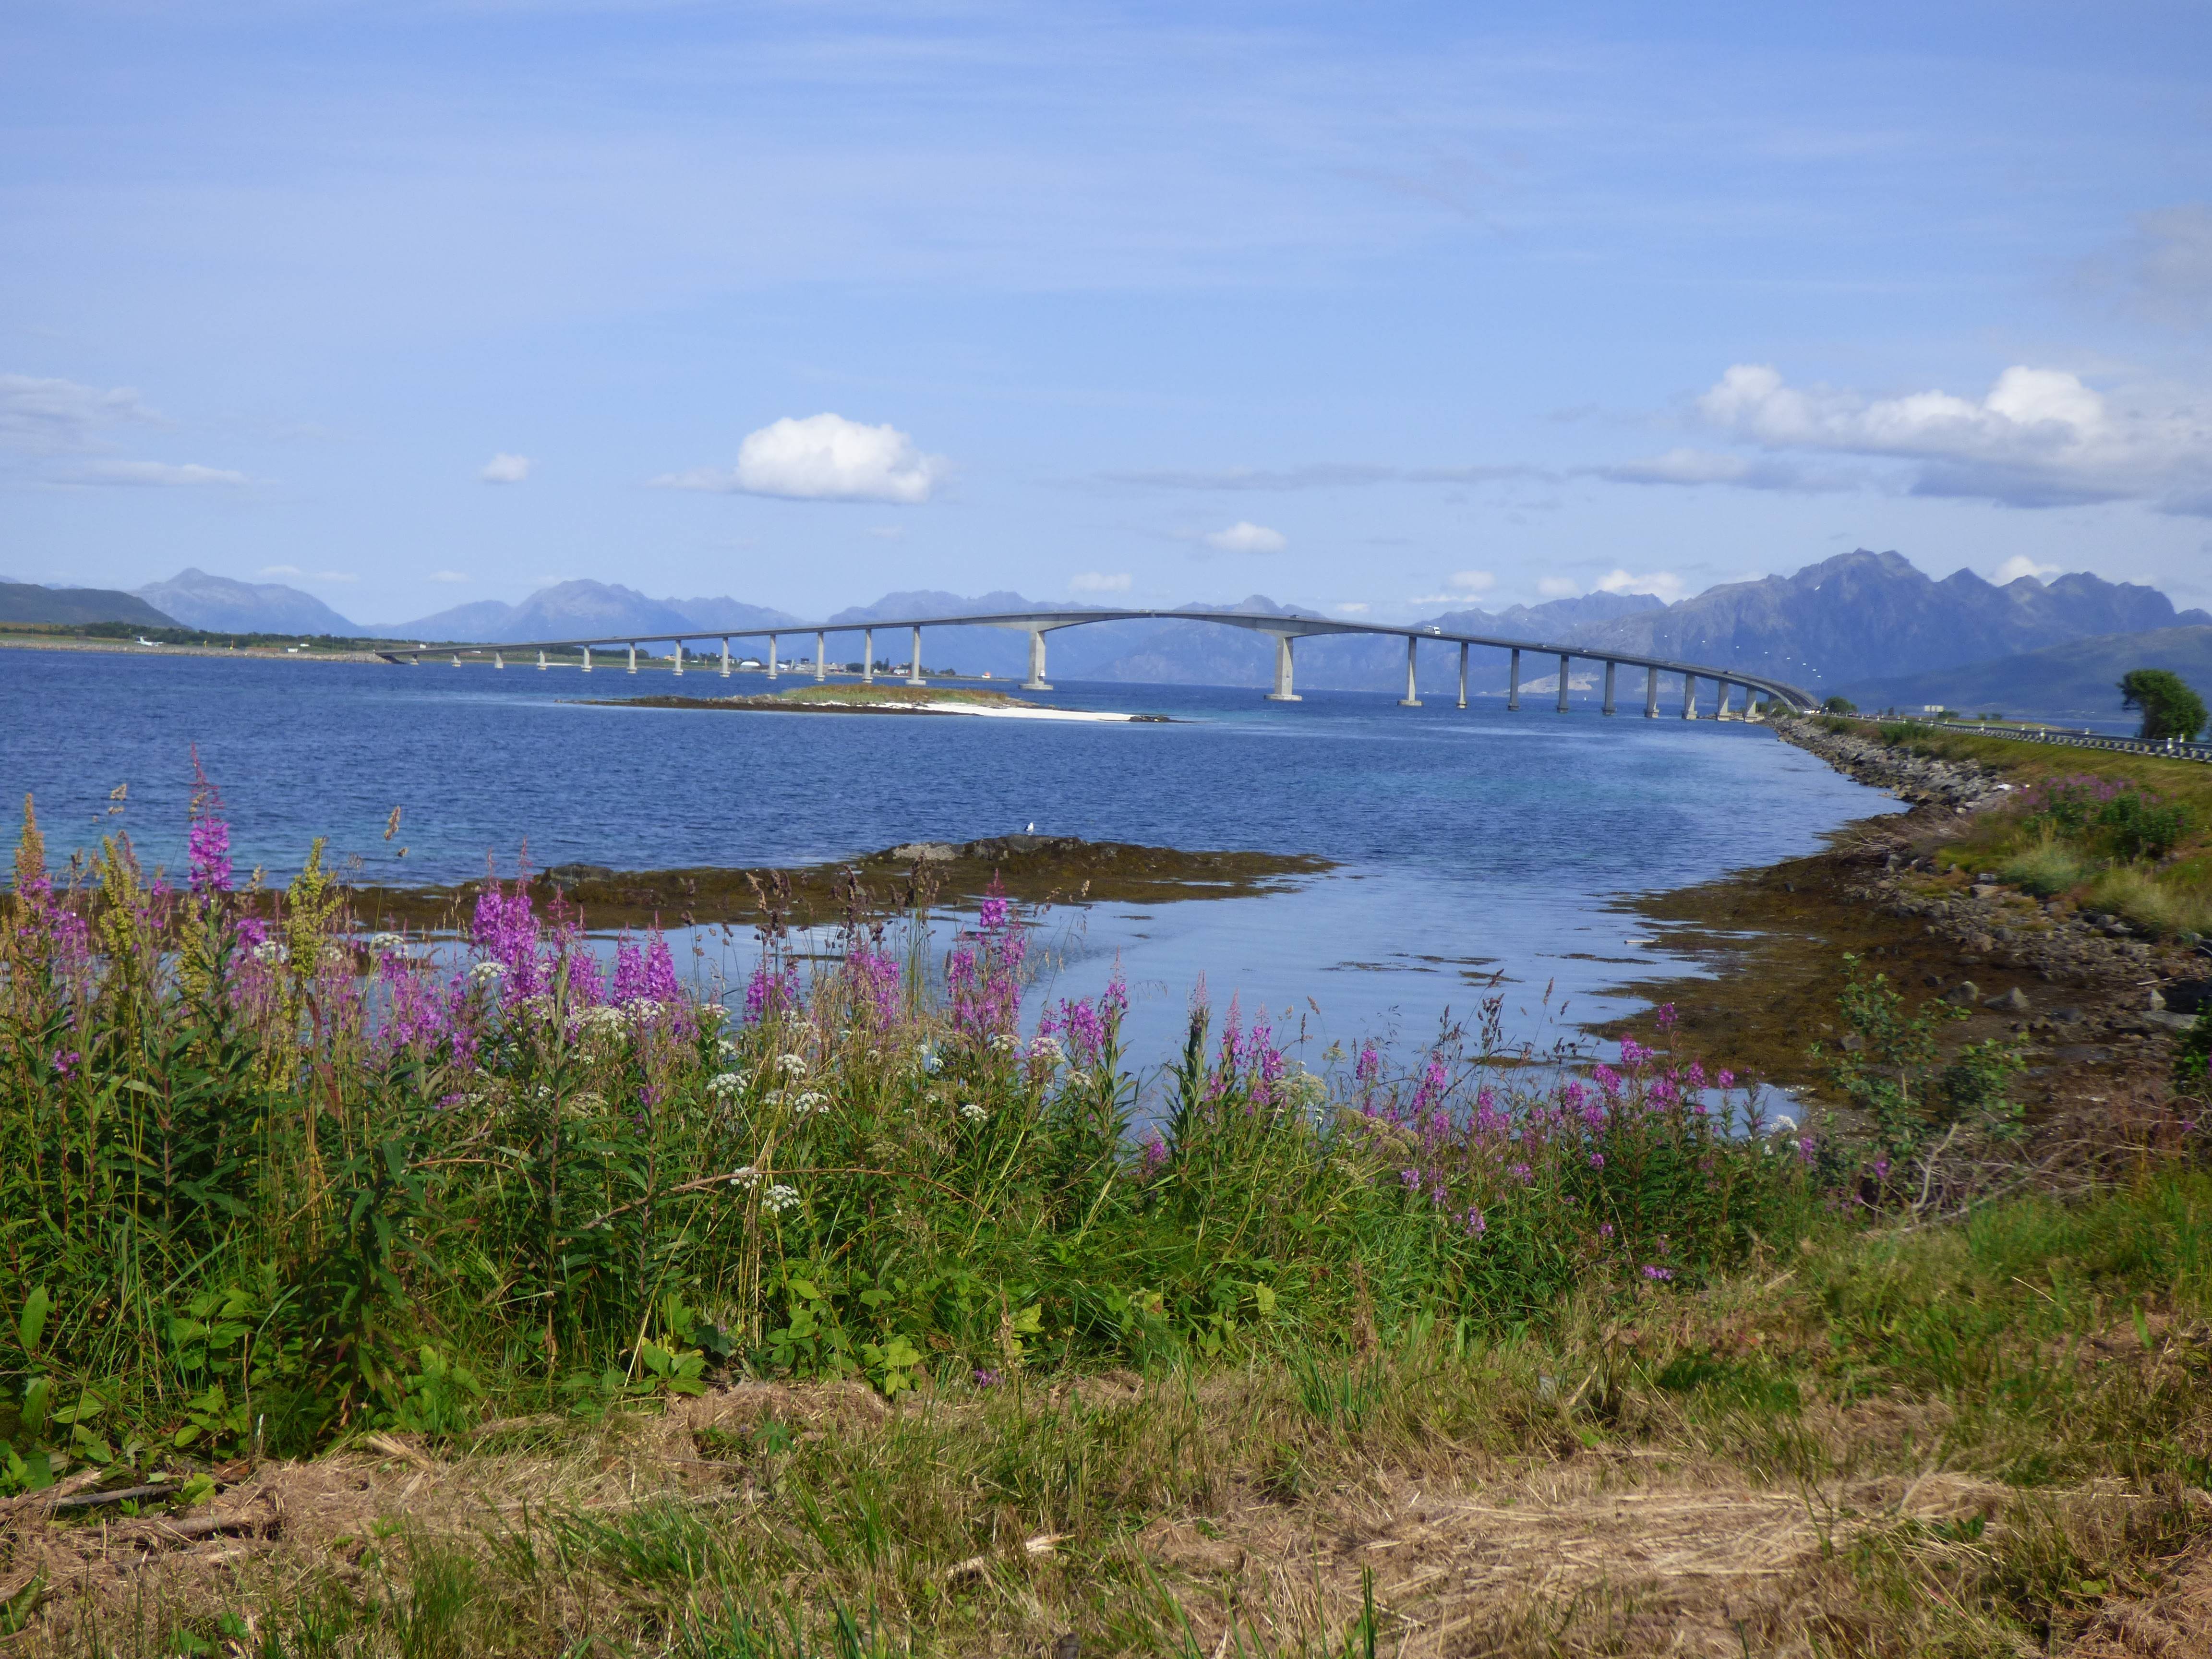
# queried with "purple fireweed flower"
point(1369, 1066)
point(1694, 1074)
point(1664, 1019)
point(1475, 1223)
point(1597, 1160)
point(206, 845)
point(1522, 1173)
point(771, 991)
point(1724, 1078)
point(1633, 1054)
point(1155, 1154)
point(1605, 1229)
point(876, 979)
point(1658, 1273)
point(986, 1379)
point(66, 1062)
point(1608, 1080)
point(1410, 1177)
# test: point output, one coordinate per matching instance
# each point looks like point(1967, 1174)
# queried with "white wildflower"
point(723, 1085)
point(268, 952)
point(974, 1113)
point(794, 1064)
point(1048, 1049)
point(383, 943)
point(748, 1176)
point(485, 973)
point(779, 1198)
point(641, 1011)
point(1002, 1043)
point(808, 1104)
point(725, 1048)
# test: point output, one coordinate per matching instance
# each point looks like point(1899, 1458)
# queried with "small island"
point(881, 700)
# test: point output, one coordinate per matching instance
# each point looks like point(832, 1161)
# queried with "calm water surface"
point(1472, 842)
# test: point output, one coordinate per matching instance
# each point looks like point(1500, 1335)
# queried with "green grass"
point(898, 694)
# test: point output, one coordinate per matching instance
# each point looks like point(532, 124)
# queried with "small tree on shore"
point(2170, 708)
point(1840, 706)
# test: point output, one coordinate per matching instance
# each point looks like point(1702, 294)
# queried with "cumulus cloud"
point(2020, 565)
point(1664, 583)
point(505, 469)
point(1353, 607)
point(1471, 581)
point(2039, 437)
point(280, 569)
point(1245, 537)
point(150, 475)
point(56, 417)
point(822, 457)
point(1099, 581)
point(449, 576)
point(1557, 587)
point(1315, 474)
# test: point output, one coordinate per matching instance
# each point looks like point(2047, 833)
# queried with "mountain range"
point(1863, 623)
point(2077, 678)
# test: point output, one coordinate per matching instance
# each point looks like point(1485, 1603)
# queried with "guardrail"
point(2166, 749)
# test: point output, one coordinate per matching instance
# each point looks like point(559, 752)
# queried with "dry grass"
point(1986, 1439)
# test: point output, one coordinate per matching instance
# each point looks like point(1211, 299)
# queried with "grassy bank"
point(497, 1304)
point(2124, 835)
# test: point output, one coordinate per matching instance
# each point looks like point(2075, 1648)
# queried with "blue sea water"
point(1471, 843)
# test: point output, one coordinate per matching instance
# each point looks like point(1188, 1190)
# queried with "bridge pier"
point(771, 656)
point(1412, 699)
point(1462, 673)
point(868, 655)
point(1650, 694)
point(820, 651)
point(457, 660)
point(1282, 693)
point(1563, 681)
point(1689, 696)
point(633, 656)
point(1513, 683)
point(725, 656)
point(499, 659)
point(1609, 666)
point(914, 676)
point(541, 662)
point(587, 659)
point(679, 656)
point(1036, 681)
point(1719, 710)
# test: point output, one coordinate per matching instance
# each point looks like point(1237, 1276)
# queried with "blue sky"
point(1372, 306)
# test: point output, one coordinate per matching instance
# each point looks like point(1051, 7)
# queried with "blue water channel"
point(1470, 842)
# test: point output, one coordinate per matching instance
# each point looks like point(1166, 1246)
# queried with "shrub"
point(2139, 898)
point(2046, 869)
point(1840, 706)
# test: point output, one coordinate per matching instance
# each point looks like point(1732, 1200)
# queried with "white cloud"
point(280, 569)
point(2020, 565)
point(2040, 437)
point(887, 532)
point(448, 576)
point(505, 469)
point(1316, 475)
point(53, 417)
point(150, 475)
point(1707, 466)
point(1095, 581)
point(335, 576)
point(1356, 607)
point(1471, 581)
point(1244, 537)
point(1556, 587)
point(1664, 583)
point(822, 457)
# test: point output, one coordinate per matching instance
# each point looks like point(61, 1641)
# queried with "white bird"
point(1031, 830)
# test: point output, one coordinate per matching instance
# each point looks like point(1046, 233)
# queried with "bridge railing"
point(2058, 737)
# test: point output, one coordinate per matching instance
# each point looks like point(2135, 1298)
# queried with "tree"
point(1840, 706)
point(2170, 708)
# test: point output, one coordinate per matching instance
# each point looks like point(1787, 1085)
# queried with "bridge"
point(1284, 630)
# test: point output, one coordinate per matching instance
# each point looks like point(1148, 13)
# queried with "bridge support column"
point(1563, 681)
point(1513, 683)
point(1036, 680)
point(633, 656)
point(868, 653)
point(1650, 694)
point(679, 656)
point(1282, 693)
point(457, 660)
point(1609, 667)
point(587, 659)
point(1720, 708)
point(1412, 699)
point(725, 656)
point(1689, 696)
point(541, 662)
point(771, 656)
point(1462, 674)
point(499, 659)
point(914, 676)
point(821, 653)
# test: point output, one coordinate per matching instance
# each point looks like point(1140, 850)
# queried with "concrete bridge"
point(1284, 630)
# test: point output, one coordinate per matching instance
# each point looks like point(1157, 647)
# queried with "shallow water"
point(1472, 842)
